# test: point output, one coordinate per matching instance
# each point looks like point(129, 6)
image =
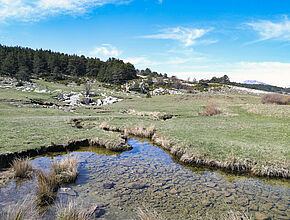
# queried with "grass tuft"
point(66, 170)
point(72, 211)
point(47, 188)
point(19, 211)
point(140, 131)
point(236, 216)
point(146, 214)
point(22, 168)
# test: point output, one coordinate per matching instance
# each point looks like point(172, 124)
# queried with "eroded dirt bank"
point(121, 145)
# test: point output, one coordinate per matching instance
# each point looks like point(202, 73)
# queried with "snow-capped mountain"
point(254, 82)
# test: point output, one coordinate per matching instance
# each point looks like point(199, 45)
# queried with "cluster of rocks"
point(23, 86)
point(7, 82)
point(77, 99)
point(162, 91)
point(108, 100)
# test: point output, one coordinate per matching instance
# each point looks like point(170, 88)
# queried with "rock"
point(117, 195)
point(67, 191)
point(211, 184)
point(158, 184)
point(97, 211)
point(136, 186)
point(108, 185)
point(205, 202)
point(173, 191)
point(261, 216)
point(87, 101)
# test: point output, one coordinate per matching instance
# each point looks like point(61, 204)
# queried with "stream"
point(148, 178)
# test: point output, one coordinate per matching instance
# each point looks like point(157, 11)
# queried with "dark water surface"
point(147, 177)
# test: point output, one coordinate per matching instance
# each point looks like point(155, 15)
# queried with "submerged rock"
point(67, 191)
point(136, 186)
point(97, 211)
point(108, 185)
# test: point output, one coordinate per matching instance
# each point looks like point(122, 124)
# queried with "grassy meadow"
point(244, 128)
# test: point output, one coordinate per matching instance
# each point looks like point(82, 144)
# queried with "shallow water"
point(147, 177)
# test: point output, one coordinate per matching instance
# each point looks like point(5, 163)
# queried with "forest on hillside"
point(25, 63)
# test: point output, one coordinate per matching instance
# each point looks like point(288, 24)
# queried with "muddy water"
point(147, 177)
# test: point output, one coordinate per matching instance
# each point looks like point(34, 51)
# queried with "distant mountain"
point(255, 82)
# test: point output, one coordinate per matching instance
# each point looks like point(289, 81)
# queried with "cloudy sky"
point(245, 39)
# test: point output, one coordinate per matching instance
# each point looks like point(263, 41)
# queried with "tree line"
point(25, 63)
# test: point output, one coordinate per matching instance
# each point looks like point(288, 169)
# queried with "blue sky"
point(245, 39)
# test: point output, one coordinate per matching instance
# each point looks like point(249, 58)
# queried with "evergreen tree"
point(9, 65)
point(39, 63)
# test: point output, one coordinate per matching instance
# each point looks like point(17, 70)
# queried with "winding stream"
point(147, 177)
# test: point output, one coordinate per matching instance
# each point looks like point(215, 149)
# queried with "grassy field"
point(235, 132)
point(244, 128)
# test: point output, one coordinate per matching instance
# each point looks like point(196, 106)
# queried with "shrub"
point(276, 99)
point(66, 170)
point(22, 168)
point(47, 188)
point(87, 87)
point(210, 109)
point(19, 84)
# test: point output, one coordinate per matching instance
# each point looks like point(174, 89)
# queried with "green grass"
point(235, 132)
point(244, 129)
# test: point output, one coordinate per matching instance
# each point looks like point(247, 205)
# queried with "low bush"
point(276, 99)
point(210, 109)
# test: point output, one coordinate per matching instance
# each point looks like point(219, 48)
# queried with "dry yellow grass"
point(22, 168)
point(66, 170)
point(276, 99)
point(146, 214)
point(47, 188)
point(72, 211)
point(236, 216)
point(20, 211)
point(140, 131)
point(210, 109)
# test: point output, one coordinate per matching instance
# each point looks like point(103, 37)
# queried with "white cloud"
point(160, 1)
point(273, 73)
point(32, 10)
point(138, 61)
point(187, 36)
point(144, 62)
point(271, 30)
point(106, 51)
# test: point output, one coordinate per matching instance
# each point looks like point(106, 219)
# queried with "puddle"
point(148, 177)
